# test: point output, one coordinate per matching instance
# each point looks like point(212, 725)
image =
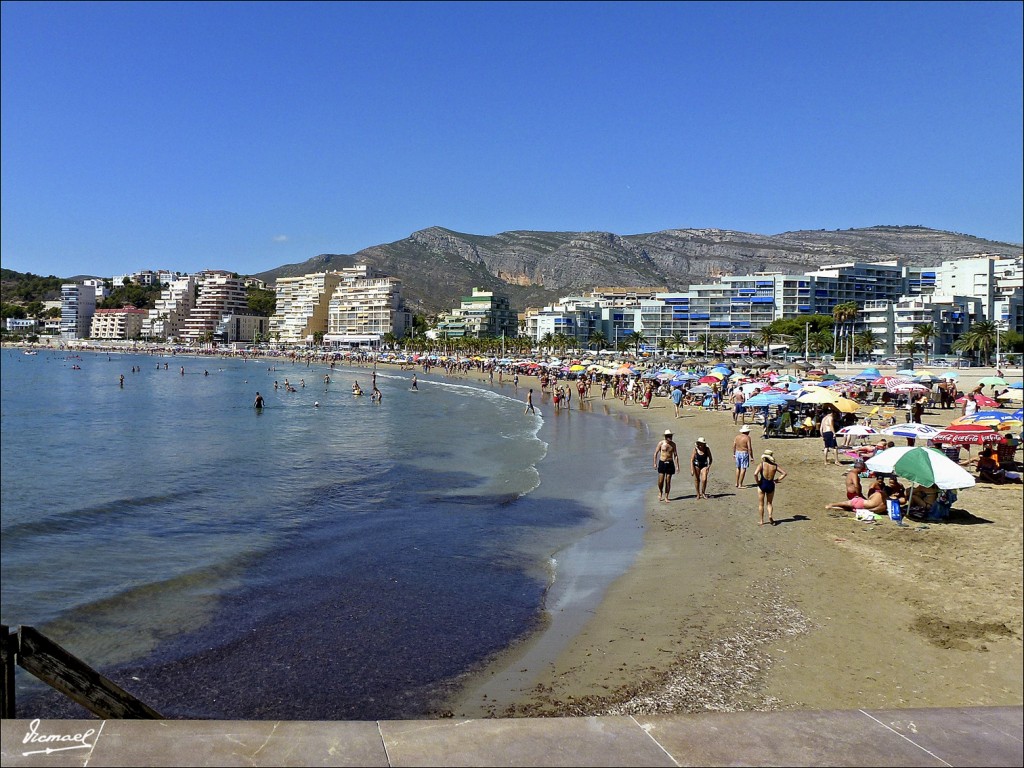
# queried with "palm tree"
point(637, 340)
point(547, 341)
point(704, 341)
point(767, 337)
point(865, 342)
point(841, 315)
point(924, 333)
point(389, 339)
point(821, 341)
point(980, 337)
point(719, 343)
point(598, 339)
point(909, 347)
point(678, 340)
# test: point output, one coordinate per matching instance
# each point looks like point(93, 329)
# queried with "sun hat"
point(768, 454)
point(702, 441)
point(744, 428)
point(668, 433)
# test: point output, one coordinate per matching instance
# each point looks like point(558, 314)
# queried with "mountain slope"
point(437, 265)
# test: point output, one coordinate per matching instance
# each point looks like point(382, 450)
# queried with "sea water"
point(327, 557)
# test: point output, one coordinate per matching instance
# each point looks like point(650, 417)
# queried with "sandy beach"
point(820, 611)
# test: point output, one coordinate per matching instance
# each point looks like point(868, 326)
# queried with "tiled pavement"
point(990, 736)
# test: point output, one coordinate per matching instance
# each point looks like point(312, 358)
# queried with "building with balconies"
point(124, 323)
point(479, 315)
point(303, 306)
point(365, 306)
point(219, 294)
point(78, 304)
point(167, 317)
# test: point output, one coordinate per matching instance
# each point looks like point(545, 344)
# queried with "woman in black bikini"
point(700, 467)
point(767, 474)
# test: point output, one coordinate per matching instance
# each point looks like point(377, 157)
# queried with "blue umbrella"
point(1019, 414)
point(772, 398)
point(1017, 385)
point(867, 375)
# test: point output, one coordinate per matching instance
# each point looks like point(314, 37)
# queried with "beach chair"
point(779, 425)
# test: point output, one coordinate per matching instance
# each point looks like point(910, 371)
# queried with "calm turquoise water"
point(346, 561)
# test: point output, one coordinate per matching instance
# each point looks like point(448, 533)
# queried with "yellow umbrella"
point(577, 368)
point(845, 405)
point(819, 395)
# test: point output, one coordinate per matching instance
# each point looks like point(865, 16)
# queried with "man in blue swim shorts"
point(741, 449)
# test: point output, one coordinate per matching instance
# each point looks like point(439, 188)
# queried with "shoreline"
point(819, 612)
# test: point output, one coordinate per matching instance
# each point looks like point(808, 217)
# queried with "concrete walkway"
point(990, 736)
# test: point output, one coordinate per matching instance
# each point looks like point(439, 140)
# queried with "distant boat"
point(31, 352)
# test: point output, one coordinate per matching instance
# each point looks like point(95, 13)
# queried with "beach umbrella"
point(872, 369)
point(858, 430)
point(845, 405)
point(967, 434)
point(886, 381)
point(577, 367)
point(710, 379)
point(765, 400)
point(907, 387)
point(906, 372)
point(925, 466)
point(623, 370)
point(830, 377)
point(1012, 395)
point(925, 378)
point(1019, 414)
point(866, 376)
point(983, 401)
point(992, 418)
point(949, 375)
point(912, 431)
point(702, 389)
point(818, 395)
point(994, 381)
point(1017, 385)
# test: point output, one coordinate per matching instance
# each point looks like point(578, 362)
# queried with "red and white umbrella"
point(887, 381)
point(907, 388)
point(983, 401)
point(967, 434)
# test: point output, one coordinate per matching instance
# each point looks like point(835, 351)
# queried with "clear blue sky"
point(245, 136)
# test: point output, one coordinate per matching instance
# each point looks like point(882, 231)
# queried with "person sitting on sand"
point(990, 471)
point(854, 490)
point(875, 502)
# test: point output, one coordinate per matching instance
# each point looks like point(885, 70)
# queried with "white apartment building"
point(365, 305)
point(220, 294)
point(99, 286)
point(78, 304)
point(124, 323)
point(303, 306)
point(167, 317)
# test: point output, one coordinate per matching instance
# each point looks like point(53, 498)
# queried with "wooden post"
point(75, 679)
point(8, 646)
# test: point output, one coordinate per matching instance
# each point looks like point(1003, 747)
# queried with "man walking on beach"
point(666, 461)
point(529, 403)
point(742, 450)
point(677, 398)
point(738, 398)
point(828, 433)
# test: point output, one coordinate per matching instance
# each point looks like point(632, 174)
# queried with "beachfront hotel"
point(220, 294)
point(303, 305)
point(364, 307)
point(123, 323)
point(168, 315)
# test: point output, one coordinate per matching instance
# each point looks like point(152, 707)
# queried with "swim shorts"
point(857, 503)
point(830, 439)
point(666, 467)
point(742, 459)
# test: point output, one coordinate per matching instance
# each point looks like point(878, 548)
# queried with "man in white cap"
point(666, 461)
point(742, 450)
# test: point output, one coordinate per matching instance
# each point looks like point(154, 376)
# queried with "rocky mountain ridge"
point(437, 266)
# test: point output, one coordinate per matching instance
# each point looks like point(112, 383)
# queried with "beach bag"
point(895, 513)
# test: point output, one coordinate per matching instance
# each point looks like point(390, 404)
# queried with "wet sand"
point(817, 612)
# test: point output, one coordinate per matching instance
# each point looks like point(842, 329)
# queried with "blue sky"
point(245, 136)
